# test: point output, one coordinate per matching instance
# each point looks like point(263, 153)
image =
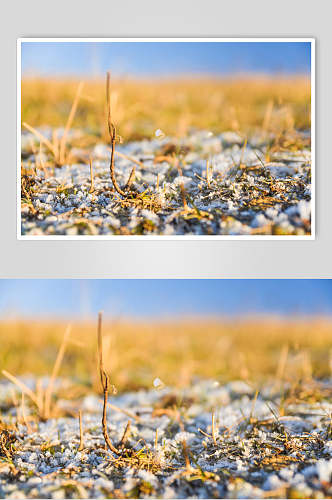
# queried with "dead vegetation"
point(7, 440)
point(277, 111)
point(174, 106)
point(143, 458)
point(135, 355)
point(58, 147)
point(280, 107)
point(132, 197)
point(42, 398)
point(104, 379)
point(272, 446)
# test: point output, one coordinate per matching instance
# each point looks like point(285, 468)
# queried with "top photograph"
point(165, 138)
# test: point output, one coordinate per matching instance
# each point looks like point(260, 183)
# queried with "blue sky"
point(160, 59)
point(163, 298)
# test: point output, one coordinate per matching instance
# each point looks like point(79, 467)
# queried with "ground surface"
point(275, 444)
point(262, 188)
point(246, 188)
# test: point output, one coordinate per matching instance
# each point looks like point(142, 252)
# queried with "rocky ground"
point(273, 444)
point(245, 190)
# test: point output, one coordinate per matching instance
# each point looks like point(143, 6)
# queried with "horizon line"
point(168, 318)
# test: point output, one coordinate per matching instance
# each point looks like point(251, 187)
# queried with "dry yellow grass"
point(139, 107)
point(135, 353)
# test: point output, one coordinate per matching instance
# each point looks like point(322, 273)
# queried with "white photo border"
point(309, 237)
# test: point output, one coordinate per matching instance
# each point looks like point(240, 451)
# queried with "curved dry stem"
point(112, 132)
point(113, 136)
point(115, 184)
point(105, 384)
point(104, 419)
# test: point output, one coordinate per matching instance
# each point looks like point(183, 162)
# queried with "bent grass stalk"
point(120, 450)
point(114, 139)
point(112, 133)
point(105, 385)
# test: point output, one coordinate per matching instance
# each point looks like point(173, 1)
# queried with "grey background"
point(165, 259)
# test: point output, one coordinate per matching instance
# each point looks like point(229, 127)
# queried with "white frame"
point(161, 237)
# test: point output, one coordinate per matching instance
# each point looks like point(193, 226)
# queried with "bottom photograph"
point(165, 388)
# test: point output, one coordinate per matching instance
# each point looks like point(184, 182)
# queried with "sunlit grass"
point(175, 106)
point(136, 353)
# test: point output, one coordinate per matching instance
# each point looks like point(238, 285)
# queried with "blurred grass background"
point(135, 353)
point(139, 107)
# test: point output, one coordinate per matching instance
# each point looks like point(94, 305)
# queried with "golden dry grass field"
point(140, 106)
point(175, 351)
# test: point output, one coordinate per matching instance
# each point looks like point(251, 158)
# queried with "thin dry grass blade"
point(253, 404)
point(24, 388)
point(55, 141)
point(243, 150)
point(182, 189)
point(91, 175)
point(128, 157)
point(26, 423)
point(208, 172)
point(125, 435)
point(186, 454)
point(100, 349)
point(214, 429)
point(131, 177)
point(56, 368)
point(81, 446)
point(108, 104)
point(267, 116)
point(124, 411)
point(69, 123)
point(40, 395)
point(282, 363)
point(40, 136)
point(112, 132)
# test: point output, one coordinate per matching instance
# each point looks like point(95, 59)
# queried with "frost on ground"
point(275, 444)
point(202, 185)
